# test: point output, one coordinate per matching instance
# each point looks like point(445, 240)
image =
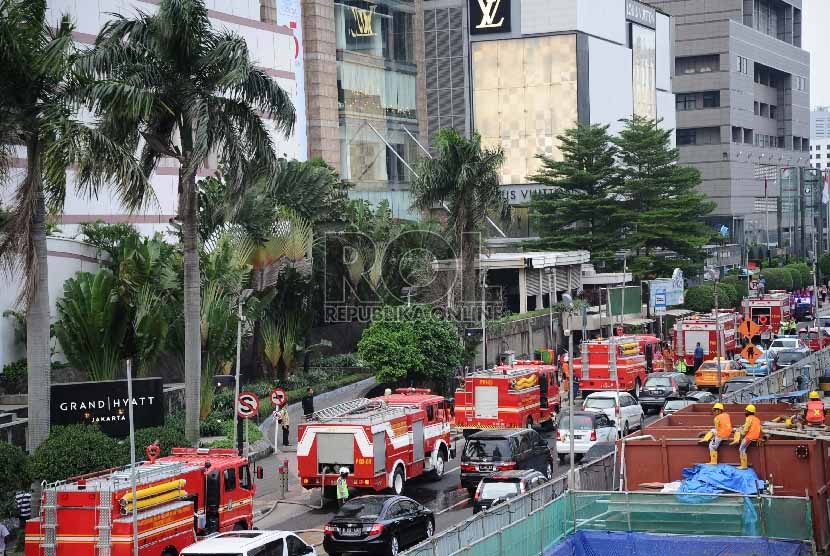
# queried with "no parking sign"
point(248, 405)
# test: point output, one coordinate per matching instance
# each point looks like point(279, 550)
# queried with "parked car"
point(589, 428)
point(788, 357)
point(810, 337)
point(502, 450)
point(378, 524)
point(782, 343)
point(735, 384)
point(706, 375)
point(620, 407)
point(251, 543)
point(764, 364)
point(674, 405)
point(503, 485)
point(660, 386)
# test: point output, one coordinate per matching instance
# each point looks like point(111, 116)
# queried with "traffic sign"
point(754, 284)
point(278, 397)
point(660, 301)
point(751, 353)
point(248, 405)
point(748, 329)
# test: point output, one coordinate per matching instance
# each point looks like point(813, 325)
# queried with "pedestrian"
point(284, 421)
point(751, 432)
point(342, 487)
point(23, 501)
point(4, 535)
point(720, 432)
point(698, 357)
point(308, 403)
point(576, 385)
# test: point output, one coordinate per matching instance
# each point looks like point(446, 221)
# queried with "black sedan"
point(381, 525)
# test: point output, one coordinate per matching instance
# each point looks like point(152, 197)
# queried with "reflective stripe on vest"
point(815, 411)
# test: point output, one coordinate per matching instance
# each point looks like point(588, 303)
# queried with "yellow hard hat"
point(814, 395)
point(718, 406)
point(750, 408)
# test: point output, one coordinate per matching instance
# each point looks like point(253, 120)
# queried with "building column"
point(522, 290)
point(320, 55)
point(540, 302)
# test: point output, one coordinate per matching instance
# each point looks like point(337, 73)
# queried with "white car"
point(589, 428)
point(252, 543)
point(620, 407)
point(786, 344)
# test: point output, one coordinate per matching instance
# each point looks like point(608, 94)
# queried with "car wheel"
point(578, 457)
point(530, 422)
point(625, 430)
point(398, 481)
point(240, 526)
point(430, 528)
point(561, 458)
point(637, 388)
point(471, 492)
point(438, 471)
point(394, 547)
point(642, 422)
point(549, 470)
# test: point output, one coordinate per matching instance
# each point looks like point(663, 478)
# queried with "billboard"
point(630, 295)
point(671, 290)
point(106, 404)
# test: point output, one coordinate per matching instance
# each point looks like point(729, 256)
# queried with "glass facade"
point(376, 87)
point(644, 71)
point(524, 95)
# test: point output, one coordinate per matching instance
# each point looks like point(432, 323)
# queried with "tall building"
point(820, 138)
point(741, 86)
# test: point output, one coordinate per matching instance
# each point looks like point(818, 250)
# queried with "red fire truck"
point(594, 364)
point(191, 492)
point(522, 394)
point(690, 331)
point(768, 310)
point(382, 441)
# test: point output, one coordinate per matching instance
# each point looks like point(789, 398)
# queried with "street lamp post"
point(568, 301)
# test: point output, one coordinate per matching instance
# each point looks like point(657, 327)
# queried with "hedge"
point(14, 467)
point(76, 450)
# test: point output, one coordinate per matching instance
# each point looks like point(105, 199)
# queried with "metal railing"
point(594, 475)
point(785, 380)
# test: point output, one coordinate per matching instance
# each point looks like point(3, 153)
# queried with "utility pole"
point(802, 212)
point(483, 273)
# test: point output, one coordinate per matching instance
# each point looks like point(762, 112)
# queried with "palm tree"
point(37, 92)
point(465, 178)
point(173, 86)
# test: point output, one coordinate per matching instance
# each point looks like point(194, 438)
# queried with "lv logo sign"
point(363, 20)
point(489, 9)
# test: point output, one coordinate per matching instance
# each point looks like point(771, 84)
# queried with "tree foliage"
point(410, 347)
point(14, 466)
point(701, 299)
point(582, 211)
point(777, 279)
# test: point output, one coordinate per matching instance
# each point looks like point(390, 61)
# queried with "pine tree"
point(582, 210)
point(659, 194)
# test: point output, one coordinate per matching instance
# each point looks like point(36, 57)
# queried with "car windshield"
point(779, 343)
point(734, 386)
point(500, 489)
point(789, 358)
point(600, 403)
point(364, 507)
point(495, 448)
point(674, 405)
point(713, 365)
point(581, 422)
point(658, 382)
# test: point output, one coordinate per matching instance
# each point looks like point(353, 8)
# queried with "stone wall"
point(521, 336)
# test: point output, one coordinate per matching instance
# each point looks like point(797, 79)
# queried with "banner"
point(671, 288)
point(633, 301)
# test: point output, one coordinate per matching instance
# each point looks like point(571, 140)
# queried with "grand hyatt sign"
point(106, 404)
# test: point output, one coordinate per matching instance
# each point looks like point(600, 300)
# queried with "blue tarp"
point(614, 543)
point(719, 479)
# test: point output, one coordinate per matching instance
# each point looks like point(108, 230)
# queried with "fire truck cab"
point(521, 394)
point(383, 442)
point(690, 331)
point(595, 365)
point(768, 311)
point(193, 492)
point(650, 347)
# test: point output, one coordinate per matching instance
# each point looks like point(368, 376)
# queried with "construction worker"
point(814, 414)
point(721, 431)
point(342, 487)
point(751, 431)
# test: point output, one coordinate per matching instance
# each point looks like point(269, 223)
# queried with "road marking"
point(451, 470)
point(445, 510)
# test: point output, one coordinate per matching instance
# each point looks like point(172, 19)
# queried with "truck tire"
point(330, 492)
point(398, 481)
point(637, 388)
point(170, 551)
point(529, 422)
point(440, 464)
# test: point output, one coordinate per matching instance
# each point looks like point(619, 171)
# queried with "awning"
point(638, 322)
point(678, 312)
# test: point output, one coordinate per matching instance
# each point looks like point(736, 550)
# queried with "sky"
point(816, 40)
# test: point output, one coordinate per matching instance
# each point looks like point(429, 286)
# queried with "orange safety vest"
point(752, 428)
point(723, 425)
point(815, 411)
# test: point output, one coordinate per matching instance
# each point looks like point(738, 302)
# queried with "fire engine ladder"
point(148, 472)
point(362, 410)
point(50, 522)
point(341, 409)
point(104, 545)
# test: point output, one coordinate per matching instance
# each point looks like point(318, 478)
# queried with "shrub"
point(701, 299)
point(741, 288)
point(339, 360)
point(14, 468)
point(169, 436)
point(777, 279)
point(76, 450)
point(15, 377)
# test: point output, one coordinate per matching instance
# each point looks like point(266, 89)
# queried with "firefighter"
point(681, 366)
point(814, 414)
point(342, 487)
point(751, 431)
point(721, 431)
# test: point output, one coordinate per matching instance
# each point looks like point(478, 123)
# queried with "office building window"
point(818, 148)
point(686, 136)
point(818, 165)
point(799, 83)
point(696, 64)
point(268, 11)
point(773, 111)
point(685, 102)
point(742, 65)
point(756, 108)
point(711, 99)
